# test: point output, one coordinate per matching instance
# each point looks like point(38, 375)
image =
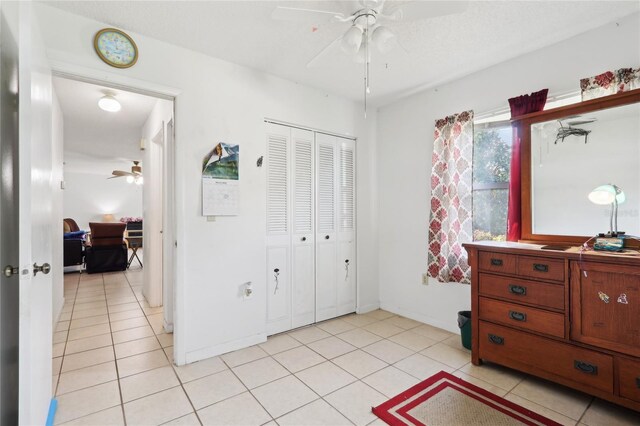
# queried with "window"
point(491, 165)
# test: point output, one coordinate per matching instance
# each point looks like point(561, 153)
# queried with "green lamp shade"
point(607, 194)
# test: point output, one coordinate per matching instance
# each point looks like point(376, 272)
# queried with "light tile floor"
point(113, 363)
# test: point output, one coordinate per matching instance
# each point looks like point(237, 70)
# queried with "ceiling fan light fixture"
point(139, 180)
point(383, 38)
point(361, 55)
point(109, 103)
point(352, 40)
point(129, 179)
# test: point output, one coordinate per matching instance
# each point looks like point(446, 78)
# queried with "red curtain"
point(520, 105)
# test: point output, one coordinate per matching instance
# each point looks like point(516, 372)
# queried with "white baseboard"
point(422, 318)
point(223, 348)
point(368, 308)
point(168, 328)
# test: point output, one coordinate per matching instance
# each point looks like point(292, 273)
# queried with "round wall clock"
point(115, 48)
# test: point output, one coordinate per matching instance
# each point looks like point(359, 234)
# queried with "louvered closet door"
point(346, 224)
point(278, 229)
point(302, 236)
point(326, 243)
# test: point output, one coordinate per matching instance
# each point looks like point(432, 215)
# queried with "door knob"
point(303, 239)
point(10, 270)
point(326, 237)
point(45, 268)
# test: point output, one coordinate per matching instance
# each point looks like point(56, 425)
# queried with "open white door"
point(9, 219)
point(35, 215)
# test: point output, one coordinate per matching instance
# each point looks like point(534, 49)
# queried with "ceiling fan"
point(366, 24)
point(135, 175)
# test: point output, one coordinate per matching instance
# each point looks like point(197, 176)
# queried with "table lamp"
point(603, 195)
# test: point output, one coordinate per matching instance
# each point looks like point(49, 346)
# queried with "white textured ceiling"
point(434, 50)
point(95, 140)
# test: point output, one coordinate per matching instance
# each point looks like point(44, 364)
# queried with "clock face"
point(116, 48)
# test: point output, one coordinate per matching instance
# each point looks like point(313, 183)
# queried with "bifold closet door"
point(278, 229)
point(346, 224)
point(302, 235)
point(311, 259)
point(326, 235)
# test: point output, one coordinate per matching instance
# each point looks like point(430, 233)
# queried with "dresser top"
point(558, 251)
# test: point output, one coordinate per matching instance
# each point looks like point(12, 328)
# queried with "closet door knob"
point(303, 239)
point(326, 237)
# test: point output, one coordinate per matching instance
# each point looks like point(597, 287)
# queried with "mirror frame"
point(524, 123)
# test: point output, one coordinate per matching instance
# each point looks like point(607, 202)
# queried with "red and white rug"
point(447, 400)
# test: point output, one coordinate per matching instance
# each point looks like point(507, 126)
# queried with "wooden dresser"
point(571, 319)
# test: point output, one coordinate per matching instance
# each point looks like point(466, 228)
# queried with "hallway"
point(106, 332)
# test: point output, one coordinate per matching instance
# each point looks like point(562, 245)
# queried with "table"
point(134, 244)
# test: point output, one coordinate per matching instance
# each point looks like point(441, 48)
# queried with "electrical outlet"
point(248, 291)
point(425, 279)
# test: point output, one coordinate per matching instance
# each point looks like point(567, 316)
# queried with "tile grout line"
point(113, 348)
point(247, 388)
point(171, 364)
point(55, 390)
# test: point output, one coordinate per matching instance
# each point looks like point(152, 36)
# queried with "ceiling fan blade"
point(416, 10)
point(119, 173)
point(297, 14)
point(332, 49)
point(349, 7)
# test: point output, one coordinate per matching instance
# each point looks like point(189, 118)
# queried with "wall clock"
point(115, 48)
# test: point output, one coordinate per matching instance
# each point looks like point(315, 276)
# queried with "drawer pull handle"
point(585, 367)
point(496, 262)
point(497, 340)
point(518, 316)
point(540, 267)
point(638, 382)
point(517, 290)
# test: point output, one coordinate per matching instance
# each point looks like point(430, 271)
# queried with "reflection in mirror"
point(601, 147)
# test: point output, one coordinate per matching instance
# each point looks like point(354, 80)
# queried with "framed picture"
point(115, 48)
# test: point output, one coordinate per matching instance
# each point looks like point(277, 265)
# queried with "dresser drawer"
point(515, 348)
point(497, 262)
point(525, 317)
point(629, 378)
point(541, 267)
point(522, 291)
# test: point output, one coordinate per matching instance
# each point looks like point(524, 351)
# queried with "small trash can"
point(464, 322)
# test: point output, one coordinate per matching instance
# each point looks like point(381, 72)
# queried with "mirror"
point(569, 151)
point(599, 147)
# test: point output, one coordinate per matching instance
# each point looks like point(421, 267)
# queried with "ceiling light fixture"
point(383, 39)
point(364, 26)
point(352, 40)
point(109, 103)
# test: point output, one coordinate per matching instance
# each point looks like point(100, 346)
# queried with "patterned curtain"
point(610, 83)
point(450, 222)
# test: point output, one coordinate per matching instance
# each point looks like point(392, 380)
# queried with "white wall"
point(57, 136)
point(405, 144)
point(88, 194)
point(219, 101)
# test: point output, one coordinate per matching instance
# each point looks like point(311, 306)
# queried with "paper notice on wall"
point(220, 197)
point(220, 181)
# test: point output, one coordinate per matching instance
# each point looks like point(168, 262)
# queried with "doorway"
point(110, 305)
